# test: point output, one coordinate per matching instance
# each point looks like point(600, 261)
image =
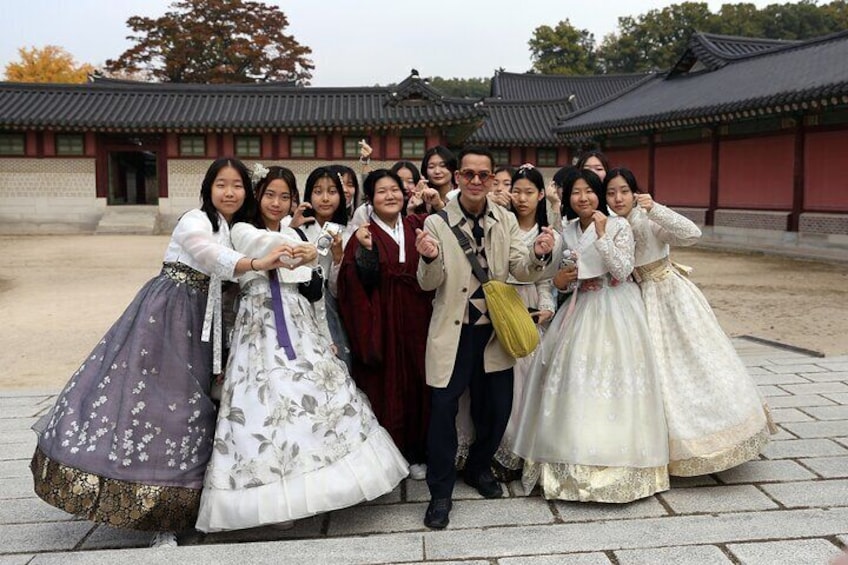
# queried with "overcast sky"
point(354, 43)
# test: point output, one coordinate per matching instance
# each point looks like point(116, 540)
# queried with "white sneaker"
point(164, 540)
point(418, 471)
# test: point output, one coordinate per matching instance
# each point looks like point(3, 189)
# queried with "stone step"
point(142, 220)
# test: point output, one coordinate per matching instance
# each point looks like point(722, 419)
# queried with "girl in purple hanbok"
point(128, 440)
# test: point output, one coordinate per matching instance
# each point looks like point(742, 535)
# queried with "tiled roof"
point(587, 89)
point(122, 105)
point(790, 78)
point(525, 108)
point(520, 123)
point(712, 51)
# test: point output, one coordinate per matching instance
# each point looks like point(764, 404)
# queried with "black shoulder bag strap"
point(478, 270)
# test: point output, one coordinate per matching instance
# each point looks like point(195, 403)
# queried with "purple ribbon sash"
point(283, 339)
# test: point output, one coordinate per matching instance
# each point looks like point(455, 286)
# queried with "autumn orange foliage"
point(48, 64)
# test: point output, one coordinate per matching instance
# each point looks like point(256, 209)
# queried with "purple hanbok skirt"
point(129, 437)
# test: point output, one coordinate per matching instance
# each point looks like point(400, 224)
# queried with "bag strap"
point(478, 270)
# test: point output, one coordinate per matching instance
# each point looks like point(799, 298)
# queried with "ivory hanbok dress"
point(592, 425)
point(294, 437)
point(536, 296)
point(129, 437)
point(716, 417)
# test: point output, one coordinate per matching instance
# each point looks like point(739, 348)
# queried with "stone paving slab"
point(51, 536)
point(794, 448)
point(24, 510)
point(797, 552)
point(588, 512)
point(105, 537)
point(24, 411)
point(387, 548)
point(792, 401)
point(791, 359)
point(813, 493)
point(17, 487)
point(738, 498)
point(16, 425)
point(816, 388)
point(19, 559)
point(794, 494)
point(635, 534)
point(795, 369)
point(781, 415)
point(14, 468)
point(765, 471)
point(17, 451)
point(828, 412)
point(769, 378)
point(828, 467)
point(700, 554)
point(770, 391)
point(841, 376)
point(561, 559)
point(827, 429)
point(839, 397)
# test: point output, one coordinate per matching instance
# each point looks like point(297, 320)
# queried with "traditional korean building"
point(122, 156)
point(745, 136)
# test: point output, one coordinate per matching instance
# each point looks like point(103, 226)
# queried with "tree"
point(462, 87)
point(654, 40)
point(563, 50)
point(48, 64)
point(215, 41)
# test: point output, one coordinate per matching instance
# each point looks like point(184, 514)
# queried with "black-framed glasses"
point(484, 176)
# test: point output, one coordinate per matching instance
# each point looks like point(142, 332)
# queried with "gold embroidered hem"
point(586, 483)
point(745, 451)
point(119, 504)
point(720, 441)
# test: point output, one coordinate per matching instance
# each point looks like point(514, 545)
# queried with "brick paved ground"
point(789, 507)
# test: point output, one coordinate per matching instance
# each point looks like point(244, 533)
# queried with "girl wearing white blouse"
point(129, 437)
point(716, 418)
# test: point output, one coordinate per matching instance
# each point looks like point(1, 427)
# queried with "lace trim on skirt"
point(745, 451)
point(587, 483)
point(183, 274)
point(116, 503)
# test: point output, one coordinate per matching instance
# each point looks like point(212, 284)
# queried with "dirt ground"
point(59, 295)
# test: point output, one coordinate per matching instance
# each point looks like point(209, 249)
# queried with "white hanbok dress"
point(294, 437)
point(593, 426)
point(716, 418)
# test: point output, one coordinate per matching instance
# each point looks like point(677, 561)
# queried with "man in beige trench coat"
point(463, 351)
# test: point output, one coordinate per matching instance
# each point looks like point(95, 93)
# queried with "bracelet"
point(252, 268)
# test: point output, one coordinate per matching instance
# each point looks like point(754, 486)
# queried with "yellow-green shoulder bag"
point(510, 319)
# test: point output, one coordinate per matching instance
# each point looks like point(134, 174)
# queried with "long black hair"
point(248, 207)
point(274, 173)
point(340, 215)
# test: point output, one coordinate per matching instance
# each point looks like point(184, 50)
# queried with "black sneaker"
point(485, 484)
point(438, 513)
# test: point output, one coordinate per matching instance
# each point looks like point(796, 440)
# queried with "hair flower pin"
point(258, 173)
point(526, 166)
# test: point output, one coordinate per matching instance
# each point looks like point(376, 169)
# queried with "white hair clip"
point(526, 166)
point(258, 173)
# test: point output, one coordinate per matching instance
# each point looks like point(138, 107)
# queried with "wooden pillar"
point(794, 220)
point(709, 218)
point(651, 163)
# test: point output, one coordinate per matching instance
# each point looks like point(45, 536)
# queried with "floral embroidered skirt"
point(716, 417)
point(294, 437)
point(592, 424)
point(129, 437)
